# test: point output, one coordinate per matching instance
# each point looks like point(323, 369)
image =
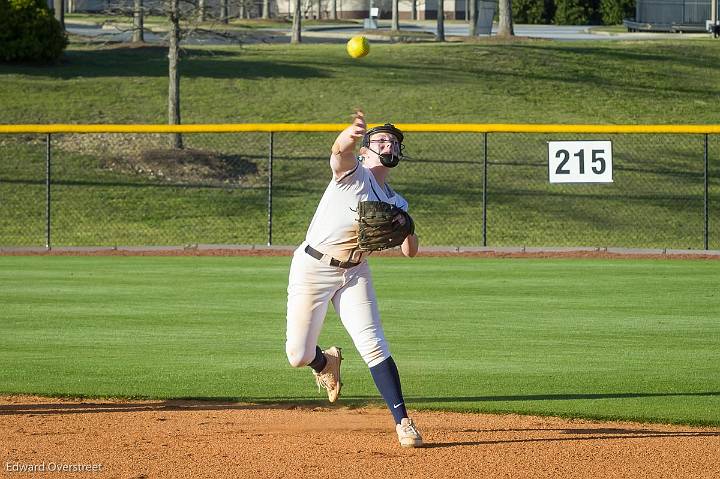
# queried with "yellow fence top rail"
point(337, 127)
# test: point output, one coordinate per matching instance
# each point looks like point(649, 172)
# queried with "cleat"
point(329, 377)
point(408, 434)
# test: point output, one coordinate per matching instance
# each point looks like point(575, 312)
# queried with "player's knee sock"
point(318, 364)
point(387, 380)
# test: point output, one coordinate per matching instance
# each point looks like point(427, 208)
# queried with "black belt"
point(327, 259)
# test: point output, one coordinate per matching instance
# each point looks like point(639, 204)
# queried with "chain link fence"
point(257, 188)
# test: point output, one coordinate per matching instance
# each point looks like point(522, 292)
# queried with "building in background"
point(672, 15)
point(346, 9)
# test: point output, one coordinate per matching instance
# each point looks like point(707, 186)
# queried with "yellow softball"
point(358, 46)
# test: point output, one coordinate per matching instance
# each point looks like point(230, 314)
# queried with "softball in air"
point(358, 46)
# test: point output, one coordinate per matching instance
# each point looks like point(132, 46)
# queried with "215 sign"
point(580, 161)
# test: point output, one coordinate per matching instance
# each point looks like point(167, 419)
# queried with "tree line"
point(572, 12)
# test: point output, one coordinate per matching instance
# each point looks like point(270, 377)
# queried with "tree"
point(440, 21)
point(173, 13)
point(505, 21)
point(530, 11)
point(183, 17)
point(59, 7)
point(613, 12)
point(224, 11)
point(395, 16)
point(473, 14)
point(575, 12)
point(138, 35)
point(29, 32)
point(296, 25)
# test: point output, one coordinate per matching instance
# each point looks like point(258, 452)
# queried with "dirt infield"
point(47, 437)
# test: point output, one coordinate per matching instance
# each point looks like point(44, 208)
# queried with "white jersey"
point(334, 227)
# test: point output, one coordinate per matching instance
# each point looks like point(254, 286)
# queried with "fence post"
point(484, 190)
point(48, 156)
point(270, 189)
point(706, 212)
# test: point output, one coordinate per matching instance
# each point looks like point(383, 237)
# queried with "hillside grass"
point(521, 81)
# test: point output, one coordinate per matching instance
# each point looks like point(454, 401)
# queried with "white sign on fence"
point(580, 161)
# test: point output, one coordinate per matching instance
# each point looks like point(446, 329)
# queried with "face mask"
point(389, 160)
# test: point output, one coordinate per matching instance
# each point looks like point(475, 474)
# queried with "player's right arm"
point(343, 158)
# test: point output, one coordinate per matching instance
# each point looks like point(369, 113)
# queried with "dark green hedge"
point(573, 12)
point(29, 32)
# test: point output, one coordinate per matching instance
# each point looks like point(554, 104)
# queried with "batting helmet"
point(386, 128)
point(390, 160)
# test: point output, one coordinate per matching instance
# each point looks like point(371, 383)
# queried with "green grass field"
point(612, 339)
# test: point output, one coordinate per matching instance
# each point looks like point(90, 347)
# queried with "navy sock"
point(318, 364)
point(387, 380)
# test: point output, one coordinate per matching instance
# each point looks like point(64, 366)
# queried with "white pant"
point(311, 287)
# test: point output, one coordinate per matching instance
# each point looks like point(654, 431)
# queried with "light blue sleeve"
point(401, 202)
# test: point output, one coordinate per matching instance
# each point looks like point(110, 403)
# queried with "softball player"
point(328, 266)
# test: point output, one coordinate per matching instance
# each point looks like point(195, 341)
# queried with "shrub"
point(576, 12)
point(613, 12)
point(28, 31)
point(532, 11)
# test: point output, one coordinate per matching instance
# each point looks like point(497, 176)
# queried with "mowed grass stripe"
point(621, 339)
